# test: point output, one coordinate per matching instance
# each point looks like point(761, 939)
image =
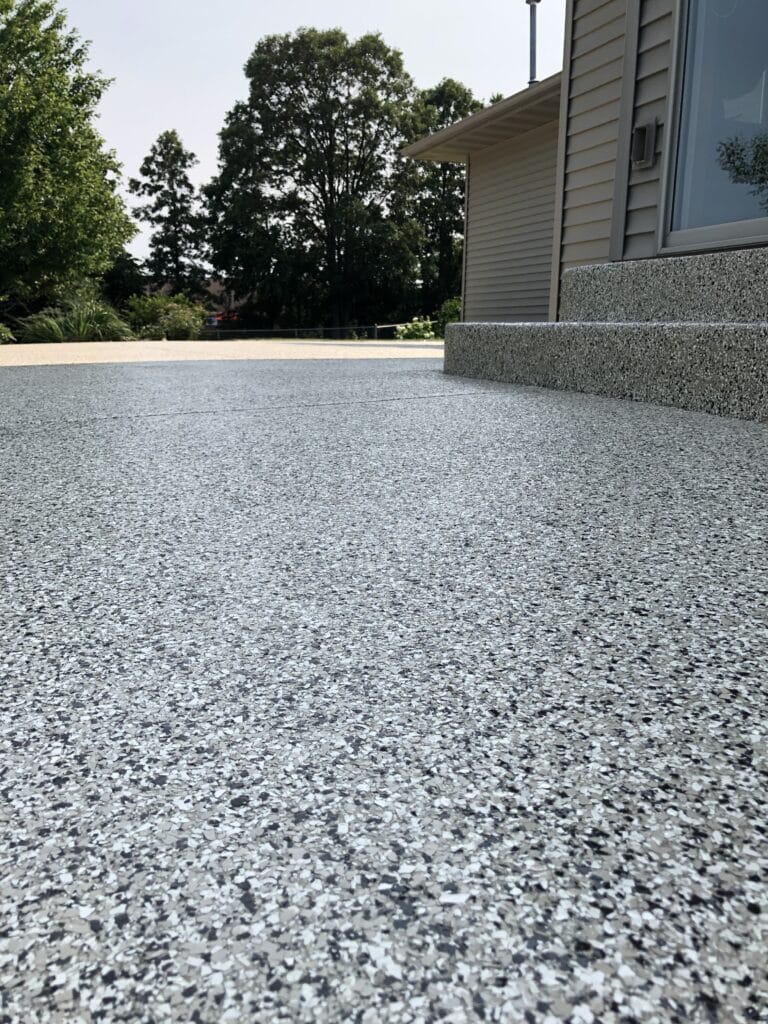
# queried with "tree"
point(745, 160)
point(307, 172)
point(61, 219)
point(171, 210)
point(123, 279)
point(436, 194)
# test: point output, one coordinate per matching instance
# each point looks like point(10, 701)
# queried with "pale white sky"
point(179, 63)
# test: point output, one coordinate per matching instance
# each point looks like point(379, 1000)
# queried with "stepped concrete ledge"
point(723, 287)
point(719, 368)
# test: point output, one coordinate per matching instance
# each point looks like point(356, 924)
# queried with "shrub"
point(449, 313)
point(6, 337)
point(165, 316)
point(418, 328)
point(79, 320)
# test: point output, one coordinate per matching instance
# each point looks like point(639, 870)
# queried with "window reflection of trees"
point(745, 161)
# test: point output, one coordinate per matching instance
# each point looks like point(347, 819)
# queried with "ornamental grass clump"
point(79, 320)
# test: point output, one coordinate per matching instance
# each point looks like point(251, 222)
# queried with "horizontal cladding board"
point(538, 186)
point(487, 281)
point(649, 178)
point(595, 98)
point(583, 8)
point(508, 242)
point(523, 247)
point(510, 209)
point(640, 247)
point(505, 318)
point(495, 276)
point(585, 252)
point(591, 157)
point(518, 164)
point(587, 21)
point(502, 313)
point(592, 137)
point(507, 306)
point(658, 33)
point(496, 174)
point(647, 112)
point(512, 192)
point(653, 61)
point(523, 291)
point(606, 55)
point(519, 297)
point(594, 117)
point(480, 205)
point(536, 180)
point(590, 232)
point(597, 78)
point(643, 193)
point(576, 180)
point(652, 89)
point(601, 36)
point(520, 151)
point(642, 221)
point(588, 213)
point(652, 10)
point(598, 192)
point(512, 220)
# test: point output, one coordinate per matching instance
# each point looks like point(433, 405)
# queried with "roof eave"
point(526, 110)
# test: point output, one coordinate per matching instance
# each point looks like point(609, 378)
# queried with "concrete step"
point(710, 367)
point(725, 287)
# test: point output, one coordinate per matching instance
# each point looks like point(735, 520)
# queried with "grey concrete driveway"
point(345, 691)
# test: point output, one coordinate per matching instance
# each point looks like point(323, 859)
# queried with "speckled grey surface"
point(720, 287)
point(341, 692)
point(714, 368)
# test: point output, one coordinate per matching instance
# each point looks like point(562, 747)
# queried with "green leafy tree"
point(61, 219)
point(249, 243)
point(745, 160)
point(171, 210)
point(308, 166)
point(435, 194)
point(123, 279)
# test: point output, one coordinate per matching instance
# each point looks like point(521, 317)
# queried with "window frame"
point(734, 235)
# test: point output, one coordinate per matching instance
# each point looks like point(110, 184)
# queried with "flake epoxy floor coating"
point(343, 692)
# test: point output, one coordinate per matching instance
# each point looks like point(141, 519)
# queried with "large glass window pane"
point(722, 160)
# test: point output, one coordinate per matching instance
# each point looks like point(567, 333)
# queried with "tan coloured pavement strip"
point(173, 351)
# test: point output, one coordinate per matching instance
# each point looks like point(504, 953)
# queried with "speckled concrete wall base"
point(723, 287)
point(716, 368)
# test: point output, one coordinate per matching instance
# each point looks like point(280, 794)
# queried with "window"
point(719, 177)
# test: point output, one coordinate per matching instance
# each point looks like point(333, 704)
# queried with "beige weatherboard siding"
point(595, 48)
point(650, 101)
point(511, 206)
point(510, 150)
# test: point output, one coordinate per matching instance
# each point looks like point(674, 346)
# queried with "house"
point(617, 215)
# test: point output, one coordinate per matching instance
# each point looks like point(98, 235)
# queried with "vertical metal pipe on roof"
point(532, 4)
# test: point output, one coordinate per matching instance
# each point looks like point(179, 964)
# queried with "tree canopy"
point(307, 173)
point(436, 194)
point(171, 210)
point(61, 219)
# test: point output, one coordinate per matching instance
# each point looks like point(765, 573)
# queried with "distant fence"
point(354, 332)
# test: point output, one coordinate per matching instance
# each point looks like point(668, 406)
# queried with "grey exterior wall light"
point(533, 80)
